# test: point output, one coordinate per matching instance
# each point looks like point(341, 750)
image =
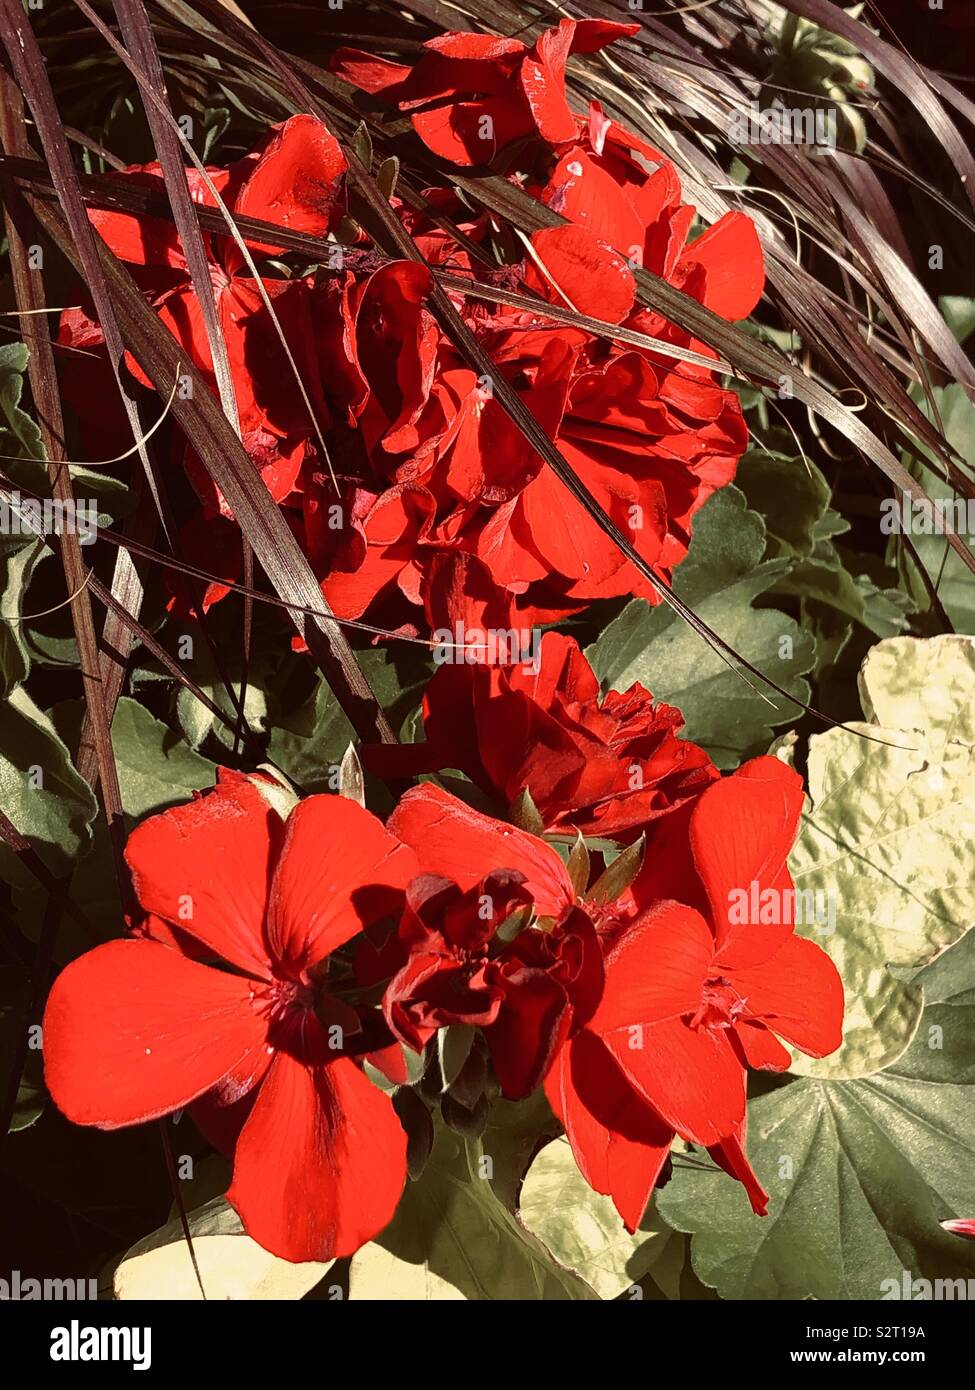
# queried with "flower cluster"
point(393, 450)
point(577, 917)
point(285, 943)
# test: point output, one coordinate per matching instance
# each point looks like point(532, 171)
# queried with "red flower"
point(698, 985)
point(422, 458)
point(650, 436)
point(525, 994)
point(293, 179)
point(604, 765)
point(692, 997)
point(226, 1001)
point(471, 95)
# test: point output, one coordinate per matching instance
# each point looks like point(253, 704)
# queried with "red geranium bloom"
point(294, 179)
point(650, 436)
point(470, 95)
point(526, 995)
point(225, 1001)
point(604, 765)
point(693, 996)
point(697, 985)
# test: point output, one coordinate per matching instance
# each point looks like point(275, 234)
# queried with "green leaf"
point(578, 865)
point(827, 579)
point(887, 842)
point(613, 882)
point(156, 768)
point(925, 685)
point(362, 144)
point(959, 314)
point(794, 498)
point(39, 788)
point(450, 1225)
point(17, 562)
point(309, 743)
point(20, 428)
point(198, 722)
point(351, 782)
point(381, 1277)
point(416, 1119)
point(20, 436)
point(860, 1172)
point(231, 1264)
point(453, 1049)
point(387, 175)
point(525, 814)
point(583, 1230)
point(721, 577)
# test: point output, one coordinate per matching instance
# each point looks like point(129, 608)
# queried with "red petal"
point(320, 1163)
point(459, 589)
point(391, 531)
point(133, 1030)
point(148, 241)
point(459, 132)
point(542, 73)
point(690, 1076)
point(295, 181)
point(734, 267)
point(582, 271)
point(742, 830)
point(367, 73)
point(730, 1154)
point(474, 47)
point(563, 533)
point(542, 80)
point(549, 107)
point(523, 745)
point(339, 870)
point(213, 544)
point(592, 34)
point(798, 994)
point(587, 194)
point(206, 867)
point(760, 1049)
point(531, 1026)
point(655, 969)
point(461, 844)
point(618, 1142)
point(181, 313)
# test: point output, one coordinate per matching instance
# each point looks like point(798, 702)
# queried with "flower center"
point(721, 1005)
point(282, 998)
